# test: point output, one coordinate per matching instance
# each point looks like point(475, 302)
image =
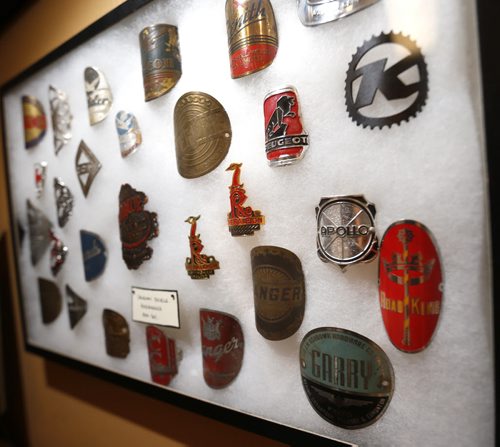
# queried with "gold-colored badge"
point(202, 134)
point(35, 122)
point(199, 266)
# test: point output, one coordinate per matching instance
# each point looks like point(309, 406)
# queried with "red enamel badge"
point(162, 356)
point(222, 347)
point(410, 285)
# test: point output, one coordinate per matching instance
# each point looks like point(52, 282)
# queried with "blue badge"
point(94, 255)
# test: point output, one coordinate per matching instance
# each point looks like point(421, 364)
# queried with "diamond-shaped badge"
point(87, 167)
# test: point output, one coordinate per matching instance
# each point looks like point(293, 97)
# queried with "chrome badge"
point(40, 231)
point(316, 12)
point(87, 167)
point(129, 134)
point(64, 201)
point(61, 117)
point(40, 177)
point(99, 97)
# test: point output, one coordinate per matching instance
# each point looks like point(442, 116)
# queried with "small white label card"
point(160, 307)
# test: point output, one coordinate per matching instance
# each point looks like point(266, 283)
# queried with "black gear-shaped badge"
point(367, 77)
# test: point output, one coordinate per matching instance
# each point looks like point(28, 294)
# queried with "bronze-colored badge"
point(61, 117)
point(252, 35)
point(87, 167)
point(40, 232)
point(198, 266)
point(202, 134)
point(35, 122)
point(99, 97)
point(137, 226)
point(279, 291)
point(117, 334)
point(77, 307)
point(50, 300)
point(161, 59)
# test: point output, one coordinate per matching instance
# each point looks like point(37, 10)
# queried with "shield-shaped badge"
point(35, 122)
point(87, 167)
point(61, 117)
point(129, 134)
point(94, 254)
point(162, 355)
point(116, 333)
point(99, 97)
point(410, 285)
point(77, 307)
point(222, 347)
point(64, 201)
point(50, 300)
point(39, 230)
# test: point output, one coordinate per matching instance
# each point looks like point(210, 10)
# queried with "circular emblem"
point(387, 81)
point(348, 378)
point(346, 233)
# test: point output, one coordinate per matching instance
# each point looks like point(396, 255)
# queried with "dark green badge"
point(348, 379)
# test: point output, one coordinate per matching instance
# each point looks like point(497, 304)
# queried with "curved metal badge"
point(116, 333)
point(87, 167)
point(50, 300)
point(61, 117)
point(94, 254)
point(410, 285)
point(35, 122)
point(129, 134)
point(202, 134)
point(64, 201)
point(40, 177)
point(347, 378)
point(346, 230)
point(316, 12)
point(99, 97)
point(198, 266)
point(252, 35)
point(222, 347)
point(162, 356)
point(58, 254)
point(161, 59)
point(286, 138)
point(137, 227)
point(77, 307)
point(39, 230)
point(279, 291)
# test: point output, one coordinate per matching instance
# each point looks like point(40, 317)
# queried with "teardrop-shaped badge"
point(40, 232)
point(410, 285)
point(61, 117)
point(50, 300)
point(162, 355)
point(129, 134)
point(99, 97)
point(35, 122)
point(116, 333)
point(77, 306)
point(94, 254)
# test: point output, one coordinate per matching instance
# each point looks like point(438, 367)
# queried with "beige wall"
point(66, 407)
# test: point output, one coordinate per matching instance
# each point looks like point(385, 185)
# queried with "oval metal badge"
point(99, 97)
point(162, 355)
point(35, 122)
point(410, 285)
point(202, 134)
point(117, 334)
point(94, 254)
point(347, 378)
point(50, 300)
point(222, 347)
point(279, 291)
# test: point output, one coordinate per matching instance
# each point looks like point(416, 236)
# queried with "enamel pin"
point(40, 177)
point(64, 201)
point(99, 97)
point(222, 347)
point(58, 253)
point(316, 12)
point(199, 266)
point(161, 59)
point(50, 300)
point(242, 220)
point(77, 307)
point(116, 333)
point(94, 254)
point(87, 167)
point(129, 134)
point(40, 229)
point(137, 227)
point(35, 122)
point(252, 35)
point(163, 355)
point(346, 230)
point(410, 285)
point(61, 117)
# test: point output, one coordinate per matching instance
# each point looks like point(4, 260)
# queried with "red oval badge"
point(410, 285)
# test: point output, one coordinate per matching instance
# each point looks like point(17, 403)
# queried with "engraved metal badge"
point(129, 134)
point(116, 333)
point(199, 266)
point(94, 254)
point(163, 356)
point(252, 35)
point(137, 227)
point(64, 201)
point(77, 307)
point(279, 291)
point(381, 93)
point(346, 230)
point(61, 117)
point(99, 97)
point(410, 285)
point(242, 220)
point(35, 122)
point(286, 139)
point(50, 300)
point(39, 230)
point(222, 347)
point(40, 177)
point(161, 59)
point(87, 167)
point(316, 12)
point(202, 134)
point(58, 253)
point(347, 378)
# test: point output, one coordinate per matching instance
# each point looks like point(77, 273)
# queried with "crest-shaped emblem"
point(410, 285)
point(77, 307)
point(199, 265)
point(64, 201)
point(35, 122)
point(163, 356)
point(129, 134)
point(61, 117)
point(242, 220)
point(116, 333)
point(99, 97)
point(137, 227)
point(40, 177)
point(94, 254)
point(87, 167)
point(50, 300)
point(316, 12)
point(222, 347)
point(58, 253)
point(40, 229)
point(161, 59)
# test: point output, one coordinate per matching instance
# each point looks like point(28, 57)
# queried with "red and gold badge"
point(162, 356)
point(198, 266)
